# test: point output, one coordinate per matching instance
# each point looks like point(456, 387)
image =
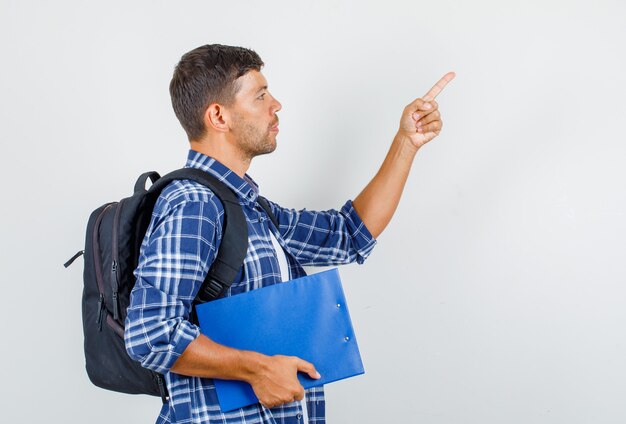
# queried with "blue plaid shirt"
point(176, 253)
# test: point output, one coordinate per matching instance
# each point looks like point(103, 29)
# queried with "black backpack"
point(114, 235)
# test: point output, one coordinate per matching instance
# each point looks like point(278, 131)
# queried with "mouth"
point(274, 127)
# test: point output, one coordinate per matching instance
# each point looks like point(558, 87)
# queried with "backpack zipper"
point(115, 282)
point(98, 265)
point(100, 311)
point(73, 258)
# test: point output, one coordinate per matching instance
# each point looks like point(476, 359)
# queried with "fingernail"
point(416, 116)
point(317, 375)
point(427, 105)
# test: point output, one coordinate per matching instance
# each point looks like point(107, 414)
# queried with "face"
point(254, 123)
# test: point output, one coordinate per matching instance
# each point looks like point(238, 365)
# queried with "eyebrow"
point(261, 89)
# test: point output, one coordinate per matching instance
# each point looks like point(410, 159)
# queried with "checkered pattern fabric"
point(176, 253)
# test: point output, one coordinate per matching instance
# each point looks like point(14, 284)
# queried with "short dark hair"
point(207, 75)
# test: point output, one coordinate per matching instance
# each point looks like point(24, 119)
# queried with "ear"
point(216, 117)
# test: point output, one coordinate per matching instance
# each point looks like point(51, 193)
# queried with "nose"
point(277, 105)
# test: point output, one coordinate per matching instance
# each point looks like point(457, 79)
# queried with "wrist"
point(253, 365)
point(404, 144)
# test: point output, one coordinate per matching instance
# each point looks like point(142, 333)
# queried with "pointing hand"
point(421, 120)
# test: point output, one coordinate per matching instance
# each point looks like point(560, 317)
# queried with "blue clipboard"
point(306, 317)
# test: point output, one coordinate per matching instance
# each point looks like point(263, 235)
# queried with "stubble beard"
point(254, 141)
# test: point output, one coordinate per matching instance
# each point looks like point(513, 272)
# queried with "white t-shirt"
point(284, 276)
point(282, 259)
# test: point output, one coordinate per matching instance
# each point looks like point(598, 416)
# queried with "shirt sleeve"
point(325, 238)
point(176, 253)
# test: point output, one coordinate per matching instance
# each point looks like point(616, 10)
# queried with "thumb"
point(308, 368)
point(420, 104)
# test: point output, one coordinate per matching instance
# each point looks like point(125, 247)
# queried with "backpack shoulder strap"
point(234, 243)
point(268, 210)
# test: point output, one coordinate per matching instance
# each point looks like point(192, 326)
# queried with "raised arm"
point(420, 123)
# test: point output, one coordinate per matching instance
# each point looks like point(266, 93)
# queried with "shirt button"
point(299, 416)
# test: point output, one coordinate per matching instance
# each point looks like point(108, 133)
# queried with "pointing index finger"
point(437, 88)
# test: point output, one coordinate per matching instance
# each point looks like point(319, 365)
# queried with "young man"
point(222, 100)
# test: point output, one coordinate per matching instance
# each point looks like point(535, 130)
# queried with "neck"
point(224, 150)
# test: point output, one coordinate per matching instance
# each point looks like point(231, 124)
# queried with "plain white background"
point(497, 293)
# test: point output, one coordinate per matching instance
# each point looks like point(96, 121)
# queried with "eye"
point(261, 97)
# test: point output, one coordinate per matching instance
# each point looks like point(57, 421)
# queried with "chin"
point(265, 150)
point(269, 150)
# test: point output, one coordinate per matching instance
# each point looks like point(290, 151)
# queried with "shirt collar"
point(245, 188)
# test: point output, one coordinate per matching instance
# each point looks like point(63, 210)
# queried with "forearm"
point(273, 378)
point(206, 358)
point(378, 201)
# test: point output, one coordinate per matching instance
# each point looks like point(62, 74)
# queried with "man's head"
point(219, 92)
point(205, 75)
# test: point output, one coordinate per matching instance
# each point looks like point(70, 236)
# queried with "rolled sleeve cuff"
point(185, 333)
point(362, 240)
point(162, 356)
